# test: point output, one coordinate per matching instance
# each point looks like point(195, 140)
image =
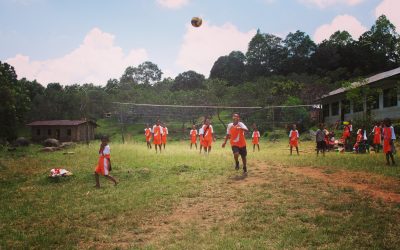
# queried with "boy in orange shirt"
point(147, 134)
point(235, 132)
point(104, 165)
point(294, 139)
point(208, 136)
point(256, 138)
point(193, 136)
point(164, 135)
point(157, 135)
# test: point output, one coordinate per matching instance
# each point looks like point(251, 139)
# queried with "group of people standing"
point(158, 134)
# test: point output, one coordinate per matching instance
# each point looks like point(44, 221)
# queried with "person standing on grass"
point(294, 139)
point(346, 134)
point(193, 136)
point(235, 133)
point(104, 164)
point(208, 136)
point(147, 134)
point(157, 135)
point(389, 138)
point(377, 132)
point(256, 138)
point(320, 138)
point(164, 135)
point(201, 138)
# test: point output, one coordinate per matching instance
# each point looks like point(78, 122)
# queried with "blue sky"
point(45, 39)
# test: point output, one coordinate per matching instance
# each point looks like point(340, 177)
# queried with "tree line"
point(273, 71)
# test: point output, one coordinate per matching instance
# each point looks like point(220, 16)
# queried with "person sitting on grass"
point(104, 164)
point(235, 132)
point(320, 139)
point(389, 138)
point(294, 139)
point(256, 138)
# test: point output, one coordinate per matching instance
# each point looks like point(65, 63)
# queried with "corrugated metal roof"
point(59, 123)
point(367, 81)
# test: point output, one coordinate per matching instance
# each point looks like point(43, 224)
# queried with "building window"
point(358, 105)
point(335, 108)
point(325, 110)
point(69, 132)
point(37, 131)
point(373, 101)
point(345, 107)
point(390, 97)
point(49, 132)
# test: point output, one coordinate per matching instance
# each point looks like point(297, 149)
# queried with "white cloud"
point(390, 8)
point(327, 3)
point(96, 60)
point(173, 4)
point(202, 46)
point(343, 23)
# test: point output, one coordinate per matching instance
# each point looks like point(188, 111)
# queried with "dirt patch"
point(376, 186)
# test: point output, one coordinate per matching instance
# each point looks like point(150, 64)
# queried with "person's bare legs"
point(96, 176)
point(244, 160)
point(291, 150)
point(236, 157)
point(258, 146)
point(196, 145)
point(209, 150)
point(164, 145)
point(297, 150)
point(201, 147)
point(254, 147)
point(109, 177)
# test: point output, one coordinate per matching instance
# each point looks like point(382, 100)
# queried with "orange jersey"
point(388, 136)
point(157, 133)
point(256, 137)
point(236, 133)
point(147, 133)
point(193, 136)
point(377, 135)
point(294, 138)
point(207, 135)
point(164, 135)
point(103, 167)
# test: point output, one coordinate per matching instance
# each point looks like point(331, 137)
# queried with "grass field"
point(183, 200)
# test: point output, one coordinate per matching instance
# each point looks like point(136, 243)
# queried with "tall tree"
point(265, 55)
point(299, 48)
point(230, 68)
point(188, 80)
point(8, 107)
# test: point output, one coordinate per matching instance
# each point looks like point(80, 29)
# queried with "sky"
point(91, 41)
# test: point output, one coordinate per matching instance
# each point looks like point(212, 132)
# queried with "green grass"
point(279, 211)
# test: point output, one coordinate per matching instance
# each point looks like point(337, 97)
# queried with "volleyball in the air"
point(196, 22)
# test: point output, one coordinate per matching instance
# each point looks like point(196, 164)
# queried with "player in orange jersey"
point(147, 134)
point(208, 136)
point(256, 138)
point(164, 135)
point(235, 133)
point(193, 136)
point(294, 139)
point(157, 135)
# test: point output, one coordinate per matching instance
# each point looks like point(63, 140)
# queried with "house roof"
point(367, 81)
point(59, 123)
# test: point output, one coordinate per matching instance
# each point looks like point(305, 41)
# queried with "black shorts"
point(242, 151)
point(321, 145)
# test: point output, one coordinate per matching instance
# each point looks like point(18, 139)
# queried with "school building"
point(63, 130)
point(383, 100)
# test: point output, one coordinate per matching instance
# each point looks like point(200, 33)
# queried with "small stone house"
point(63, 130)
